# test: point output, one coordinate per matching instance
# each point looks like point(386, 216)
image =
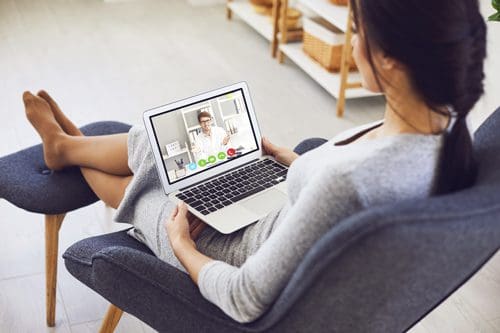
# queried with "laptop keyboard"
point(234, 186)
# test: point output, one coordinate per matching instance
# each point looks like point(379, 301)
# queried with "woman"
point(426, 56)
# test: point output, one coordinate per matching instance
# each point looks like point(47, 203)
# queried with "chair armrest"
point(158, 293)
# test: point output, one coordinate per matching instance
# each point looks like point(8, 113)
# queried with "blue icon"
point(192, 166)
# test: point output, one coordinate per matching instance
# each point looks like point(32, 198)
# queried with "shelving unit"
point(331, 82)
point(266, 26)
point(337, 15)
point(337, 84)
point(259, 22)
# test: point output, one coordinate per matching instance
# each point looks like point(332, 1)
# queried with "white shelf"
point(336, 15)
point(261, 23)
point(329, 81)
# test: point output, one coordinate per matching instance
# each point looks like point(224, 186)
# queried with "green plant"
point(496, 16)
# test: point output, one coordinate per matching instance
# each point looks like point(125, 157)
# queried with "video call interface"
point(203, 135)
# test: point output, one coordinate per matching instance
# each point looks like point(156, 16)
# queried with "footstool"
point(26, 182)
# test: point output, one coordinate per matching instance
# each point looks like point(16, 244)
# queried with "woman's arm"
point(245, 293)
point(192, 259)
point(182, 230)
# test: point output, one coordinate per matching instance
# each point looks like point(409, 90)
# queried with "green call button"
point(202, 163)
point(221, 155)
point(211, 159)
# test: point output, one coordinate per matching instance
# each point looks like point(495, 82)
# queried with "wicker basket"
point(263, 10)
point(267, 3)
point(262, 7)
point(340, 2)
point(324, 44)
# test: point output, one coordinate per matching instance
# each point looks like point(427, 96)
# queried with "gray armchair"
point(381, 270)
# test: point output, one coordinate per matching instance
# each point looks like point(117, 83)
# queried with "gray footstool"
point(26, 182)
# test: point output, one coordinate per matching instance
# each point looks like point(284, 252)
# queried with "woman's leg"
point(107, 153)
point(103, 160)
point(109, 188)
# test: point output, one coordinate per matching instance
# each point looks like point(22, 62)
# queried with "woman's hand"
point(183, 228)
point(283, 155)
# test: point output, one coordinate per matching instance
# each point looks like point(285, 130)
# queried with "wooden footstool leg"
point(111, 320)
point(52, 226)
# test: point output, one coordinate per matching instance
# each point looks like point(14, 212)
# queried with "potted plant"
point(496, 5)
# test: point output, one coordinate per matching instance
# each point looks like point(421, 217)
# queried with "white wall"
point(491, 100)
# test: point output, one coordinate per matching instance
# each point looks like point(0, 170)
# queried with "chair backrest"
point(383, 269)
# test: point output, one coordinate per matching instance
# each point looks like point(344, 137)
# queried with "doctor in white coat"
point(211, 140)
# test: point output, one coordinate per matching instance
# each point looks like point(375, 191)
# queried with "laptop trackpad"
point(265, 202)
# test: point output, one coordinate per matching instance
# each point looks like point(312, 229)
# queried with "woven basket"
point(328, 56)
point(266, 3)
point(263, 10)
point(340, 2)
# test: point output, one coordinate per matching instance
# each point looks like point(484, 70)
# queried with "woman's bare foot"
point(63, 121)
point(40, 115)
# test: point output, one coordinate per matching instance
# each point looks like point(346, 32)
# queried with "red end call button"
point(231, 152)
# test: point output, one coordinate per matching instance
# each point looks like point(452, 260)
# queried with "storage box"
point(324, 43)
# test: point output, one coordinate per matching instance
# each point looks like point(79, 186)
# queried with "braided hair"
point(442, 44)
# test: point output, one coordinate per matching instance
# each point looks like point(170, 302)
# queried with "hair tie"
point(455, 119)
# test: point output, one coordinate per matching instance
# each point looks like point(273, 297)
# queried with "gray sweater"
point(325, 185)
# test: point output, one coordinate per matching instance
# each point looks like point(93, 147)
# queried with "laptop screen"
point(204, 134)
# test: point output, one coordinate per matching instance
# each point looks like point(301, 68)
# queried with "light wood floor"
point(111, 61)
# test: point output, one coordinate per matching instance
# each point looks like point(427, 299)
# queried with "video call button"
point(211, 159)
point(231, 151)
point(202, 163)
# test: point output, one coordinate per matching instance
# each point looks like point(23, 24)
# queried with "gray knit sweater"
point(325, 185)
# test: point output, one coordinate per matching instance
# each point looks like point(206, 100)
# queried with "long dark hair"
point(442, 44)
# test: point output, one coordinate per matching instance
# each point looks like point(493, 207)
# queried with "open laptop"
point(208, 154)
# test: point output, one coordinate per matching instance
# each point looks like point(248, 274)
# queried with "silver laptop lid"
point(184, 151)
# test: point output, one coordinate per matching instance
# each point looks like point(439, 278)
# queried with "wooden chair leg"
point(275, 16)
point(282, 19)
point(111, 320)
point(52, 226)
point(344, 67)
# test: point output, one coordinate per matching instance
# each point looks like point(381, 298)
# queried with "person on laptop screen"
point(431, 81)
point(211, 140)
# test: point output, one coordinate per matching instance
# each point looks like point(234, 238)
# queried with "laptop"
point(208, 153)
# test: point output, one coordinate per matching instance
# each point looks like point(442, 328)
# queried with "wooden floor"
point(113, 60)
